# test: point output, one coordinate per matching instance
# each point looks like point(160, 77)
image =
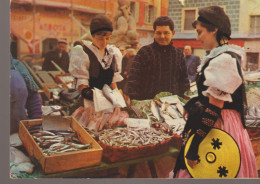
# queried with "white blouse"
point(222, 77)
point(79, 62)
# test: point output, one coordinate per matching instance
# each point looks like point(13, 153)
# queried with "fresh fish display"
point(53, 142)
point(148, 114)
point(106, 117)
point(114, 117)
point(86, 115)
point(171, 110)
point(78, 112)
point(132, 137)
point(166, 128)
point(254, 111)
point(100, 120)
point(178, 125)
point(253, 117)
point(95, 121)
point(155, 110)
point(35, 128)
point(136, 111)
point(165, 110)
point(180, 108)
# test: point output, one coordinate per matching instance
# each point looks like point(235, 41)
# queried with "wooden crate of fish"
point(54, 155)
point(129, 143)
point(65, 79)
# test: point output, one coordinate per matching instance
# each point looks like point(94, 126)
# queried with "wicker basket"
point(114, 154)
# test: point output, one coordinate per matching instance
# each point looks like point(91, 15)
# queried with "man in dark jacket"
point(158, 67)
point(59, 56)
point(192, 62)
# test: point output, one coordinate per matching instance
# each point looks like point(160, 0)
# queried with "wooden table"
point(96, 170)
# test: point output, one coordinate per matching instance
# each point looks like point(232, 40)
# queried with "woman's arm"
point(213, 101)
point(79, 66)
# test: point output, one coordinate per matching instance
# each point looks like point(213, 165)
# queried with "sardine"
point(45, 132)
point(172, 111)
point(125, 137)
point(49, 137)
point(68, 150)
point(58, 142)
point(79, 146)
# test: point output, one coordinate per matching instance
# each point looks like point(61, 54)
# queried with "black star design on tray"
point(199, 159)
point(222, 171)
point(216, 143)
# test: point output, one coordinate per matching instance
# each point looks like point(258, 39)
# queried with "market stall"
point(138, 140)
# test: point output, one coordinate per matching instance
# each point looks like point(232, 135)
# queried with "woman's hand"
point(192, 163)
point(185, 114)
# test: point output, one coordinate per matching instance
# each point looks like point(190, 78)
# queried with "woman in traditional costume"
point(221, 94)
point(96, 63)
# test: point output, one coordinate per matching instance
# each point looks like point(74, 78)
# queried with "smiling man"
point(158, 67)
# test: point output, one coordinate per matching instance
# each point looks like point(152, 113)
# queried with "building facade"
point(36, 25)
point(245, 23)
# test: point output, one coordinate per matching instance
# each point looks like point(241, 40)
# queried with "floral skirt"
point(232, 125)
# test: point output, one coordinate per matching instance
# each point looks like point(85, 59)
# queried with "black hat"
point(100, 23)
point(215, 15)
